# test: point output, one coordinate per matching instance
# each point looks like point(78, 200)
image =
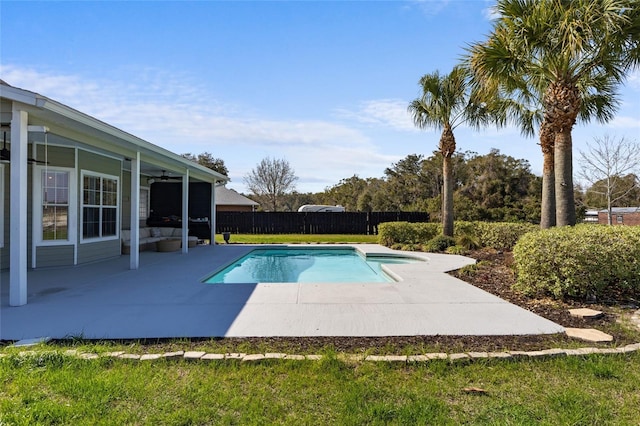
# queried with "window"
point(54, 212)
point(99, 206)
point(144, 203)
point(55, 205)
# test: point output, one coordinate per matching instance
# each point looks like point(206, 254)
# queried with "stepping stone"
point(459, 357)
point(274, 355)
point(176, 354)
point(588, 334)
point(150, 357)
point(585, 313)
point(211, 357)
point(234, 355)
point(193, 354)
point(296, 357)
point(437, 355)
point(253, 357)
point(129, 356)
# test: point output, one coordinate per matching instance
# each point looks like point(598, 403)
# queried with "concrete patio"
point(165, 298)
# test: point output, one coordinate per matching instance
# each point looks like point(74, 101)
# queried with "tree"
point(406, 183)
point(446, 102)
point(573, 53)
point(611, 167)
point(498, 188)
point(208, 160)
point(271, 179)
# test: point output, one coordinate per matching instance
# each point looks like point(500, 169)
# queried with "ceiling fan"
point(5, 154)
point(165, 177)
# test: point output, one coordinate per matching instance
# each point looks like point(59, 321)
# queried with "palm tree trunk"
point(548, 205)
point(548, 211)
point(563, 165)
point(447, 148)
point(447, 197)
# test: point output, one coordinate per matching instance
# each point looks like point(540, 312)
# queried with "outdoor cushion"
point(157, 232)
point(145, 232)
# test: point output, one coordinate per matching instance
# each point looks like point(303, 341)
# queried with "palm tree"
point(571, 55)
point(447, 102)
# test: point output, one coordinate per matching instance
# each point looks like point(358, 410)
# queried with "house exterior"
point(228, 200)
point(70, 183)
point(620, 216)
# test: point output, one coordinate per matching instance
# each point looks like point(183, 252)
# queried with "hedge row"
point(585, 261)
point(498, 235)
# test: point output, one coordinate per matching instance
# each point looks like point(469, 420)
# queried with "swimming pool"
point(307, 265)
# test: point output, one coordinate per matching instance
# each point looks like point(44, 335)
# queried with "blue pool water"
point(306, 266)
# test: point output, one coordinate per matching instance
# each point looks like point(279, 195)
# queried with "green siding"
point(47, 256)
point(125, 203)
point(57, 155)
point(91, 252)
point(4, 251)
point(98, 163)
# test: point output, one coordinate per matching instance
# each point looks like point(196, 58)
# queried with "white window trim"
point(84, 173)
point(37, 210)
point(148, 189)
point(1, 205)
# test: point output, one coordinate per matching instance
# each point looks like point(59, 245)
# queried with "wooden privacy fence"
point(310, 222)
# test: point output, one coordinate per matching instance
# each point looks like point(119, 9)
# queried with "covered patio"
point(70, 184)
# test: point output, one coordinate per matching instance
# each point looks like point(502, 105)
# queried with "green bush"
point(470, 235)
point(439, 243)
point(583, 262)
point(502, 235)
point(456, 250)
point(391, 233)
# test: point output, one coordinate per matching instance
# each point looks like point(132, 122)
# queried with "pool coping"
point(364, 250)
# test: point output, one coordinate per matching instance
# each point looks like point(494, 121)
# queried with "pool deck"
point(165, 298)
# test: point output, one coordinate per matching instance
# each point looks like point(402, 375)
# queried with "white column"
point(185, 212)
point(212, 214)
point(18, 209)
point(134, 257)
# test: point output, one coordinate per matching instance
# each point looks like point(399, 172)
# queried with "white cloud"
point(625, 122)
point(430, 7)
point(390, 113)
point(633, 80)
point(490, 13)
point(178, 114)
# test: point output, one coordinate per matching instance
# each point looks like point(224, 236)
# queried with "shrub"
point(585, 261)
point(439, 243)
point(391, 233)
point(470, 235)
point(456, 250)
point(502, 235)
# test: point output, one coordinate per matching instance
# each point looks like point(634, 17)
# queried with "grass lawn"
point(50, 388)
point(43, 386)
point(298, 239)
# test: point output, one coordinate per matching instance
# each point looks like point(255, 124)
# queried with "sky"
point(324, 85)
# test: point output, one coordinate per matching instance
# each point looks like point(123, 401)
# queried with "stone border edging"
point(454, 357)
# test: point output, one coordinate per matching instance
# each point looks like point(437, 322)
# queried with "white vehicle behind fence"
point(320, 208)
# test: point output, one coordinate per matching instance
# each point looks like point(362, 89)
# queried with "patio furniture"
point(168, 245)
point(150, 237)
